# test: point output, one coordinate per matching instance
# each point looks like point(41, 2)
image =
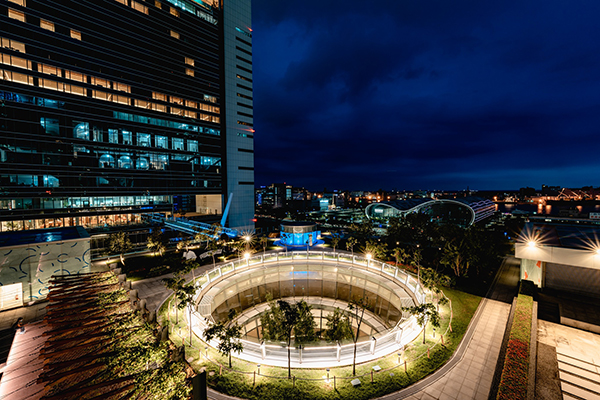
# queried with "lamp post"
point(247, 257)
point(369, 260)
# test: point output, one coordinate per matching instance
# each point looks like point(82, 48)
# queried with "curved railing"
point(377, 346)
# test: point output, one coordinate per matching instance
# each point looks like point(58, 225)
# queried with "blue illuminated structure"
point(299, 234)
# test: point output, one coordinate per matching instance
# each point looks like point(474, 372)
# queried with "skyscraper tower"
point(116, 108)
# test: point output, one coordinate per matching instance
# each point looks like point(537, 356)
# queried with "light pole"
point(369, 260)
point(247, 257)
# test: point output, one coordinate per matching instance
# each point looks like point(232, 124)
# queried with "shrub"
point(515, 374)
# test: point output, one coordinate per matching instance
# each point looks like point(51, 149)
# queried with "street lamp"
point(531, 243)
point(368, 259)
point(247, 257)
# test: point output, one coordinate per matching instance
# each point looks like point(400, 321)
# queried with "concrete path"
point(155, 292)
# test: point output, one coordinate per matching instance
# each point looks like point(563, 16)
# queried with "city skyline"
point(425, 95)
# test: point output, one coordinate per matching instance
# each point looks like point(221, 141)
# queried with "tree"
point(424, 313)
point(119, 243)
point(434, 281)
point(264, 241)
point(175, 284)
point(157, 242)
point(228, 334)
point(415, 260)
point(453, 257)
point(350, 243)
point(363, 230)
point(335, 241)
point(282, 319)
point(400, 255)
point(338, 326)
point(186, 294)
point(357, 310)
point(212, 246)
point(376, 249)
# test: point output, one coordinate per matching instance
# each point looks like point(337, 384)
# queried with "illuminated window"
point(159, 107)
point(190, 114)
point(212, 99)
point(191, 104)
point(47, 25)
point(100, 95)
point(143, 139)
point(100, 82)
point(189, 61)
point(243, 78)
point(78, 90)
point(157, 4)
point(174, 12)
point(139, 7)
point(192, 145)
point(16, 77)
point(123, 2)
point(174, 34)
point(117, 98)
point(13, 45)
point(176, 100)
point(189, 72)
point(14, 14)
point(121, 87)
point(49, 84)
point(113, 136)
point(161, 142)
point(141, 103)
point(176, 111)
point(19, 2)
point(159, 96)
point(75, 76)
point(50, 70)
point(177, 144)
point(15, 61)
point(75, 34)
point(126, 135)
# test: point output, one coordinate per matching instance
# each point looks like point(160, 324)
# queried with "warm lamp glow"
point(246, 255)
point(531, 243)
point(369, 256)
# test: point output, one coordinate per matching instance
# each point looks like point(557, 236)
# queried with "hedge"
point(515, 374)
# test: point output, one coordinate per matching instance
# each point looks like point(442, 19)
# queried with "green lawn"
point(392, 377)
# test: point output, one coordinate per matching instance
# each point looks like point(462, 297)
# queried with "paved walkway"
point(469, 374)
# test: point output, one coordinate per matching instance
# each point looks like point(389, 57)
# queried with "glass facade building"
point(112, 109)
point(462, 211)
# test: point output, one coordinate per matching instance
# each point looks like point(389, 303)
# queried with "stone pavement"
point(154, 291)
point(577, 358)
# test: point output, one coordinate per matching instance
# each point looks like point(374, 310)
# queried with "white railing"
point(377, 346)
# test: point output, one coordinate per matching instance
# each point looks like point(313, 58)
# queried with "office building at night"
point(113, 109)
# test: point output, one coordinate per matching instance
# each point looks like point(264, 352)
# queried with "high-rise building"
point(110, 109)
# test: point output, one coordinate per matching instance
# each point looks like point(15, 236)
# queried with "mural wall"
point(32, 266)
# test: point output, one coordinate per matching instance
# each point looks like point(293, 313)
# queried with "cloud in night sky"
point(426, 94)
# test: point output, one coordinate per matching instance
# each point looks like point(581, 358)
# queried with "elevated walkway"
point(189, 226)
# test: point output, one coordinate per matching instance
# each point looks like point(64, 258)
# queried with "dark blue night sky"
point(417, 94)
